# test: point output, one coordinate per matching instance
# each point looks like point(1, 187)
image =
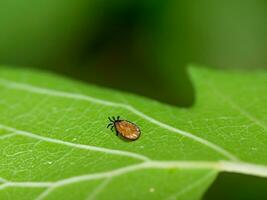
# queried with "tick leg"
point(109, 125)
point(117, 133)
point(114, 119)
point(118, 117)
point(112, 128)
point(110, 119)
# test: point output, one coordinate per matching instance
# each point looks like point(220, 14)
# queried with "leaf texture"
point(54, 143)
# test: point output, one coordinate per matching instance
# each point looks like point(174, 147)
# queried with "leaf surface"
point(54, 142)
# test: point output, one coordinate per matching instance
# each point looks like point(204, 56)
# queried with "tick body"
point(126, 129)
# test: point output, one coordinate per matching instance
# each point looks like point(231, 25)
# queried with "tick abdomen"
point(124, 128)
point(127, 129)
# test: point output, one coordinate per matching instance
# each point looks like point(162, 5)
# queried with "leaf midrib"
point(219, 166)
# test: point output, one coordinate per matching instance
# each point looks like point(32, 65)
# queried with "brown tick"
point(125, 129)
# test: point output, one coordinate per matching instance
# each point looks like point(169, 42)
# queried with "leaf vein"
point(75, 145)
point(238, 108)
point(39, 90)
point(191, 186)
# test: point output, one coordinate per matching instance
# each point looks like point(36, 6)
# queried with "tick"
point(125, 129)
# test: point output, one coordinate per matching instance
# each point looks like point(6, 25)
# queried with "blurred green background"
point(139, 46)
point(135, 46)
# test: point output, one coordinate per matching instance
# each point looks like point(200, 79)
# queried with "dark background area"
point(235, 186)
point(141, 46)
point(135, 46)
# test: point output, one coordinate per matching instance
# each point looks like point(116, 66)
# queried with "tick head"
point(112, 122)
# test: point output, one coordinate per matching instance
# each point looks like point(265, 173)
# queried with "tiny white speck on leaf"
point(151, 189)
point(49, 162)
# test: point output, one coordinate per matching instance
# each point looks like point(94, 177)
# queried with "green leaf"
point(55, 145)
